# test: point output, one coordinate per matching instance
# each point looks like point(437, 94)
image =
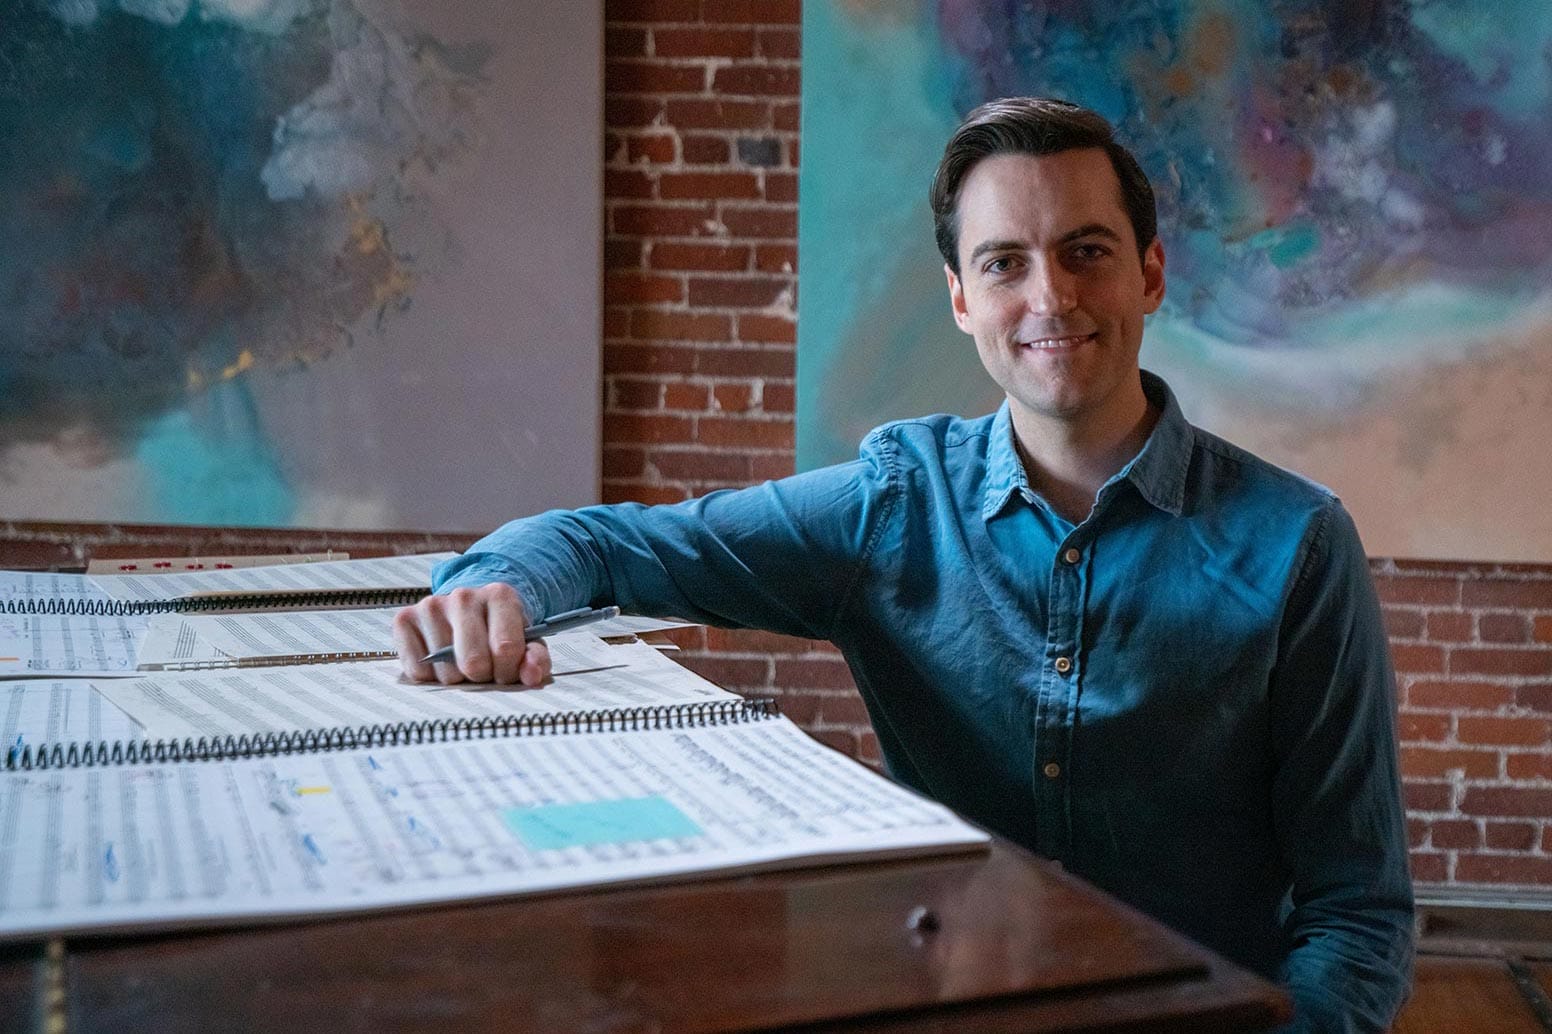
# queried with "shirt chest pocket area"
point(1175, 682)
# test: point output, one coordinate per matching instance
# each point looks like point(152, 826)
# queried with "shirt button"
point(1071, 556)
point(1063, 665)
point(1052, 770)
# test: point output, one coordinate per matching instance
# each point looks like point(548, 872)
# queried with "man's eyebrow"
point(1001, 245)
point(1090, 230)
point(1009, 244)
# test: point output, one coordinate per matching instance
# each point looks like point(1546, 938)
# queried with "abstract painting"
point(295, 262)
point(1356, 209)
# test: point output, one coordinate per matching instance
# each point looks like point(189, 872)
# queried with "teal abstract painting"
point(266, 260)
point(1356, 209)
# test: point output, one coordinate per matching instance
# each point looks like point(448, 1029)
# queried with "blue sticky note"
point(551, 827)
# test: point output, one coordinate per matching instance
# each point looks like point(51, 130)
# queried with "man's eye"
point(1090, 252)
point(998, 265)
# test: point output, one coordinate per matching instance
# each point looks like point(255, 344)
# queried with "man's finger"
point(437, 631)
point(505, 620)
point(411, 646)
point(536, 664)
point(471, 643)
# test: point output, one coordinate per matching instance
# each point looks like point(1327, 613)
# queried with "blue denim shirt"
point(1185, 699)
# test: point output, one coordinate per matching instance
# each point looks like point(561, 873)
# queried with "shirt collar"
point(1005, 473)
point(1158, 470)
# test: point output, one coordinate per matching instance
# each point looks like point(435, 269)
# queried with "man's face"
point(1050, 285)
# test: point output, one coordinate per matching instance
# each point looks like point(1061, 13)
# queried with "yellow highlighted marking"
point(303, 791)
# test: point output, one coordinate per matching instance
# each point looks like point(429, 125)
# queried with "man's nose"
point(1051, 289)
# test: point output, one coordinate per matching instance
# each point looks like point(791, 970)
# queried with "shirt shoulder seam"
point(1226, 450)
point(888, 451)
point(1309, 549)
point(950, 439)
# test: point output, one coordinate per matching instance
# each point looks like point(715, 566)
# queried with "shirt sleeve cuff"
point(471, 570)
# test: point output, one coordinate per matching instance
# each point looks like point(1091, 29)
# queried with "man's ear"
point(1153, 276)
point(956, 298)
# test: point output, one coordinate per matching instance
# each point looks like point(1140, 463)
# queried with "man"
point(1080, 621)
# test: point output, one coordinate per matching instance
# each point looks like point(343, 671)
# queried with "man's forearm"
point(780, 556)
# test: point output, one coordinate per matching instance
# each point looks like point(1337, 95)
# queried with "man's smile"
point(1057, 344)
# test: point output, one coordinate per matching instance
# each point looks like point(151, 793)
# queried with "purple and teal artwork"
point(259, 263)
point(1355, 204)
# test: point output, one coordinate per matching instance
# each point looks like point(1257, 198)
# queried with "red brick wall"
point(700, 199)
point(1473, 651)
point(701, 151)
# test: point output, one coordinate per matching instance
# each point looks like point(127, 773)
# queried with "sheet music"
point(100, 849)
point(37, 644)
point(634, 624)
point(326, 696)
point(281, 633)
point(38, 711)
point(80, 645)
point(169, 639)
point(18, 588)
point(373, 573)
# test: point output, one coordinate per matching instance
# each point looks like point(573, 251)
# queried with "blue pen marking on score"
point(110, 864)
point(552, 827)
point(549, 626)
point(313, 848)
point(424, 832)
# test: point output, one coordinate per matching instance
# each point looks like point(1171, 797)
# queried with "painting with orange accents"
point(326, 263)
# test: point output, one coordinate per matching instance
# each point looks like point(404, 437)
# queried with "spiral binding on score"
point(440, 730)
point(199, 604)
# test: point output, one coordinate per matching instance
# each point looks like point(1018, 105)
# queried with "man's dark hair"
point(1035, 126)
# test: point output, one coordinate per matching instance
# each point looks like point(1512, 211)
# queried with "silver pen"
point(564, 622)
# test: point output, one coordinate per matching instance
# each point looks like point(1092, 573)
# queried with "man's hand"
point(485, 627)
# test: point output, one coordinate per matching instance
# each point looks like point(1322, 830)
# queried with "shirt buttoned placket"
point(1062, 665)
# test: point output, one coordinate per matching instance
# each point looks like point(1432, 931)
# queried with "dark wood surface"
point(1480, 995)
point(1018, 946)
point(22, 989)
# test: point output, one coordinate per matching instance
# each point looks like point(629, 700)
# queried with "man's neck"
point(1068, 461)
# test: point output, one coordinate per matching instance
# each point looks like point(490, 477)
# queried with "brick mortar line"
point(674, 131)
point(710, 60)
point(733, 26)
point(697, 346)
point(703, 380)
point(1492, 679)
point(1463, 609)
point(721, 274)
point(702, 449)
point(748, 203)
